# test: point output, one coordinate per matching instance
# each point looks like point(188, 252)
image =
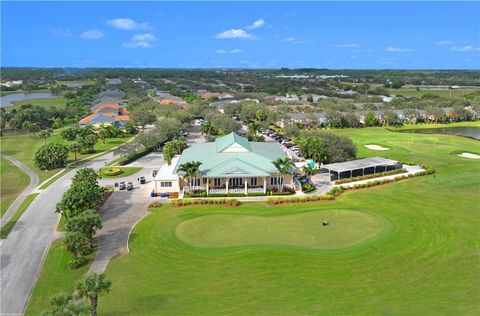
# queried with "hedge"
point(133, 156)
point(301, 199)
point(371, 176)
point(186, 202)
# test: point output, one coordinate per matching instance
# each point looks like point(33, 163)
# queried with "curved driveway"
point(32, 185)
point(23, 251)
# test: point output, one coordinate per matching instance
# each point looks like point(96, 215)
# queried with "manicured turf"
point(9, 225)
point(127, 171)
point(59, 279)
point(23, 147)
point(441, 93)
point(301, 230)
point(59, 103)
point(13, 182)
point(425, 261)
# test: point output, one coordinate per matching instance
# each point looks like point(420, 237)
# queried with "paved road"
point(32, 185)
point(23, 251)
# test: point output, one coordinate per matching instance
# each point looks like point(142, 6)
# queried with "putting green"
point(305, 230)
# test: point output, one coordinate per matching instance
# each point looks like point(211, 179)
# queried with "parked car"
point(122, 186)
point(129, 186)
point(154, 173)
point(142, 180)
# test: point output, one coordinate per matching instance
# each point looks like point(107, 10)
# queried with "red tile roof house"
point(107, 114)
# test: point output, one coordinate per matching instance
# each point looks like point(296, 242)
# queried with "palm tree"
point(64, 305)
point(253, 128)
point(75, 148)
point(190, 169)
point(91, 287)
point(103, 134)
point(46, 133)
point(208, 129)
point(284, 166)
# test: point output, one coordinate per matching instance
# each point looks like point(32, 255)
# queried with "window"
point(204, 180)
point(217, 182)
point(235, 182)
point(253, 181)
point(166, 184)
point(276, 180)
point(194, 182)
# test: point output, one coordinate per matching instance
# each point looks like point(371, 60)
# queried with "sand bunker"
point(376, 147)
point(469, 156)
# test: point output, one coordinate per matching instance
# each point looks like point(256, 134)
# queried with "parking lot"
point(288, 145)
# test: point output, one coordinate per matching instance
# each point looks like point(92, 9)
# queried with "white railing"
point(255, 190)
point(217, 191)
point(236, 190)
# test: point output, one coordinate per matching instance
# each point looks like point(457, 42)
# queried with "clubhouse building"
point(229, 165)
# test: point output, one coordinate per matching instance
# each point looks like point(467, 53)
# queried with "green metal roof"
point(230, 139)
point(256, 161)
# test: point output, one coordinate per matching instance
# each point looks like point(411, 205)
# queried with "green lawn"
point(59, 102)
point(9, 225)
point(127, 171)
point(441, 93)
point(13, 182)
point(299, 230)
point(23, 147)
point(424, 262)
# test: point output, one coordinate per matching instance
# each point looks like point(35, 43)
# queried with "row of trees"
point(81, 221)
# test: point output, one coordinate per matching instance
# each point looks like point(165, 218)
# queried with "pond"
point(466, 131)
point(7, 100)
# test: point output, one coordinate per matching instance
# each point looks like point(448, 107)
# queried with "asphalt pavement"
point(23, 252)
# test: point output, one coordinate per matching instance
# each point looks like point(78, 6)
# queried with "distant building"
point(107, 114)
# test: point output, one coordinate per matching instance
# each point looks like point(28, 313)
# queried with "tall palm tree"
point(46, 133)
point(253, 128)
point(75, 148)
point(91, 287)
point(284, 166)
point(190, 169)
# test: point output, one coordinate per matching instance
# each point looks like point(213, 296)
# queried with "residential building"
point(230, 164)
point(107, 114)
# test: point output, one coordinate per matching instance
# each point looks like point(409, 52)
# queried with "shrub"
point(133, 156)
point(155, 204)
point(222, 201)
point(300, 199)
point(112, 171)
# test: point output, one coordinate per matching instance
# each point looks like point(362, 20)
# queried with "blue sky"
point(402, 35)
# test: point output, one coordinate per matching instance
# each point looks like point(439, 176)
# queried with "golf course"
point(405, 248)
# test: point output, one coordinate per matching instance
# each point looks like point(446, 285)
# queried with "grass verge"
point(7, 228)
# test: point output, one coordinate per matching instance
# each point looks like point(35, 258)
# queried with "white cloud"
point(445, 42)
point(467, 48)
point(235, 33)
point(348, 45)
point(292, 40)
point(128, 24)
point(92, 34)
point(61, 32)
point(232, 51)
point(399, 50)
point(140, 41)
point(257, 24)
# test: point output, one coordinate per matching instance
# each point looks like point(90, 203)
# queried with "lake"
point(7, 100)
point(466, 131)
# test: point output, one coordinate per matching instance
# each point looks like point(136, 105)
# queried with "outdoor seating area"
point(359, 167)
